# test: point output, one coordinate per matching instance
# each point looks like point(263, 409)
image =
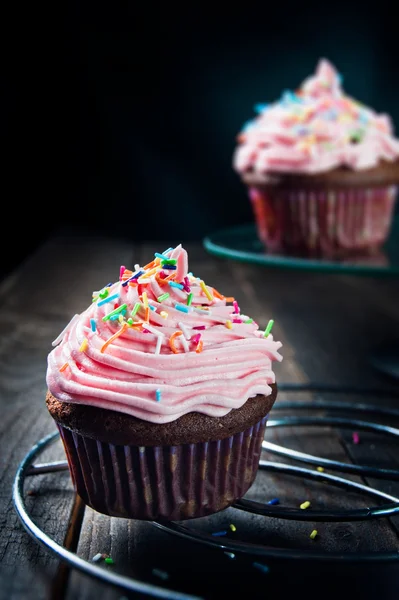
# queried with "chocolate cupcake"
point(161, 391)
point(321, 170)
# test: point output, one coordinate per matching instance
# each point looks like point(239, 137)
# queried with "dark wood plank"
point(36, 302)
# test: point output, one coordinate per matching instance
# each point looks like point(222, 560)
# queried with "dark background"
point(123, 117)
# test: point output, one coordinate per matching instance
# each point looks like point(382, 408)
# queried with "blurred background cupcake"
point(321, 170)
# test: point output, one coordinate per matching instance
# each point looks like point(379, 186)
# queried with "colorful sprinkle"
point(182, 308)
point(269, 327)
point(219, 533)
point(163, 297)
point(261, 567)
point(305, 505)
point(135, 309)
point(158, 395)
point(313, 534)
point(184, 330)
point(199, 327)
point(109, 560)
point(320, 469)
point(161, 256)
point(172, 341)
point(121, 271)
point(97, 557)
point(93, 325)
point(355, 437)
point(64, 366)
point(236, 307)
point(104, 293)
point(233, 527)
point(189, 299)
point(107, 299)
point(169, 267)
point(229, 324)
point(176, 285)
point(248, 321)
point(274, 501)
point(206, 291)
point(113, 337)
point(114, 312)
point(169, 261)
point(199, 347)
point(84, 345)
point(164, 314)
point(159, 344)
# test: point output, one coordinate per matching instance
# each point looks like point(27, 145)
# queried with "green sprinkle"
point(168, 261)
point(104, 293)
point(130, 321)
point(269, 327)
point(135, 309)
point(163, 297)
point(248, 321)
point(109, 560)
point(115, 312)
point(189, 299)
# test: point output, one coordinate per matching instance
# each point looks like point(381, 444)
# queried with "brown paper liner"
point(330, 223)
point(163, 482)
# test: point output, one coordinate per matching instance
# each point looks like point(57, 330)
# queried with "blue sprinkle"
point(274, 501)
point(176, 285)
point(219, 533)
point(107, 299)
point(135, 276)
point(261, 567)
point(289, 97)
point(93, 324)
point(166, 251)
point(260, 108)
point(170, 267)
point(158, 395)
point(152, 307)
point(161, 256)
point(182, 308)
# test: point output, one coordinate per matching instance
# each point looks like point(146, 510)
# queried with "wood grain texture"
point(328, 324)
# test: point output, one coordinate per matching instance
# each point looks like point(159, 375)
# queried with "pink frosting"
point(120, 356)
point(315, 129)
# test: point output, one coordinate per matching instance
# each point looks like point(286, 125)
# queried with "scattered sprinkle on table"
point(219, 533)
point(159, 573)
point(261, 567)
point(109, 560)
point(230, 555)
point(355, 437)
point(97, 557)
point(320, 469)
point(305, 504)
point(233, 527)
point(313, 534)
point(274, 501)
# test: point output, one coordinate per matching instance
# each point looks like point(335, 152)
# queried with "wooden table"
point(328, 324)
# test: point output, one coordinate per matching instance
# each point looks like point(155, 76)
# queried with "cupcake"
point(161, 391)
point(321, 170)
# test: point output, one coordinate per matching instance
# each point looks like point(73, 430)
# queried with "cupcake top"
point(315, 129)
point(159, 343)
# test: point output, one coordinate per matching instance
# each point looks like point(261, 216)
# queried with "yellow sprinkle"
point(229, 325)
point(206, 291)
point(320, 469)
point(305, 504)
point(83, 345)
point(313, 534)
point(164, 314)
point(233, 527)
point(149, 273)
point(120, 319)
point(145, 299)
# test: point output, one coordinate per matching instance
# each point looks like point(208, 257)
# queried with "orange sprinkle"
point(163, 281)
point(218, 294)
point(147, 314)
point(172, 341)
point(229, 298)
point(136, 324)
point(64, 366)
point(199, 347)
point(133, 283)
point(126, 274)
point(152, 264)
point(113, 337)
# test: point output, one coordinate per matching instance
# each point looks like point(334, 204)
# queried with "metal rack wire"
point(389, 507)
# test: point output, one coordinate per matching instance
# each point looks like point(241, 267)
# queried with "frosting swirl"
point(315, 129)
point(159, 343)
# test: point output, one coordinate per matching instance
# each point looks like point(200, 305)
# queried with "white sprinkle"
point(184, 343)
point(202, 311)
point(159, 344)
point(59, 338)
point(97, 557)
point(184, 330)
point(137, 268)
point(153, 329)
point(159, 573)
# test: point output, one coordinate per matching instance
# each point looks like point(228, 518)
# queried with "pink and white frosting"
point(160, 343)
point(315, 129)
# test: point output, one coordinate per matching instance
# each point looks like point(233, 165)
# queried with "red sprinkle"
point(200, 327)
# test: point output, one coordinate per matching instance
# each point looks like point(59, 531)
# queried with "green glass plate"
point(241, 243)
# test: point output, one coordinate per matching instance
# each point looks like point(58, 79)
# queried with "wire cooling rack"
point(388, 504)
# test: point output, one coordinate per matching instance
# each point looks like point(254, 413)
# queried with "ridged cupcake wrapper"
point(327, 223)
point(163, 482)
